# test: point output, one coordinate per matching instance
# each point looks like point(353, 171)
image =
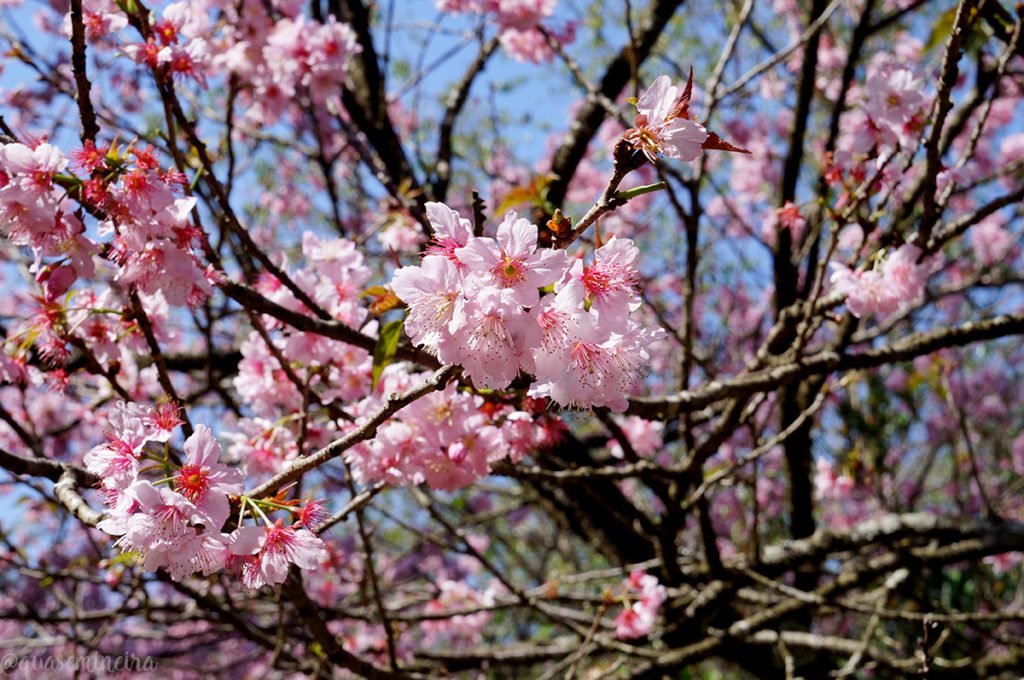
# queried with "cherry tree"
point(513, 338)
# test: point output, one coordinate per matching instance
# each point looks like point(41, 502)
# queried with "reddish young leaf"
point(682, 109)
point(716, 143)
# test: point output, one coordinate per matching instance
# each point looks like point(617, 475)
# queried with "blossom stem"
point(629, 194)
point(257, 509)
point(273, 504)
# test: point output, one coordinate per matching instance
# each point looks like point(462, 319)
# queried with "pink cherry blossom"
point(433, 292)
point(451, 231)
point(527, 45)
point(789, 217)
point(166, 530)
point(602, 366)
point(660, 130)
point(101, 18)
point(991, 240)
point(464, 461)
point(164, 267)
point(638, 619)
point(313, 514)
point(512, 261)
point(611, 282)
point(645, 436)
point(894, 97)
point(462, 629)
point(266, 552)
point(399, 233)
point(35, 166)
point(116, 462)
point(631, 624)
point(561, 318)
point(132, 426)
point(521, 14)
point(518, 23)
point(906, 273)
point(390, 457)
point(492, 334)
point(866, 292)
point(203, 480)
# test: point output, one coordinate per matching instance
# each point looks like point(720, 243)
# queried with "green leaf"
point(126, 558)
point(941, 30)
point(387, 343)
point(195, 180)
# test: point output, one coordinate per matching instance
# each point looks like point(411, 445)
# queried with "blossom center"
point(509, 271)
point(191, 481)
point(596, 281)
point(584, 356)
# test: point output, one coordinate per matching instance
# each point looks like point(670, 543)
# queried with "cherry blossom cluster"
point(991, 241)
point(519, 21)
point(895, 103)
point(35, 212)
point(895, 283)
point(645, 437)
point(152, 231)
point(100, 18)
point(333, 274)
point(276, 56)
point(334, 277)
point(175, 43)
point(173, 516)
point(447, 439)
point(476, 302)
point(889, 118)
point(284, 59)
point(637, 619)
point(138, 206)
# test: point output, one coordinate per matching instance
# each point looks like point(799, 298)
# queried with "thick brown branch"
point(827, 362)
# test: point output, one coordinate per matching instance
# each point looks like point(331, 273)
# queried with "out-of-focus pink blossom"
point(638, 619)
point(645, 436)
point(991, 240)
point(896, 284)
